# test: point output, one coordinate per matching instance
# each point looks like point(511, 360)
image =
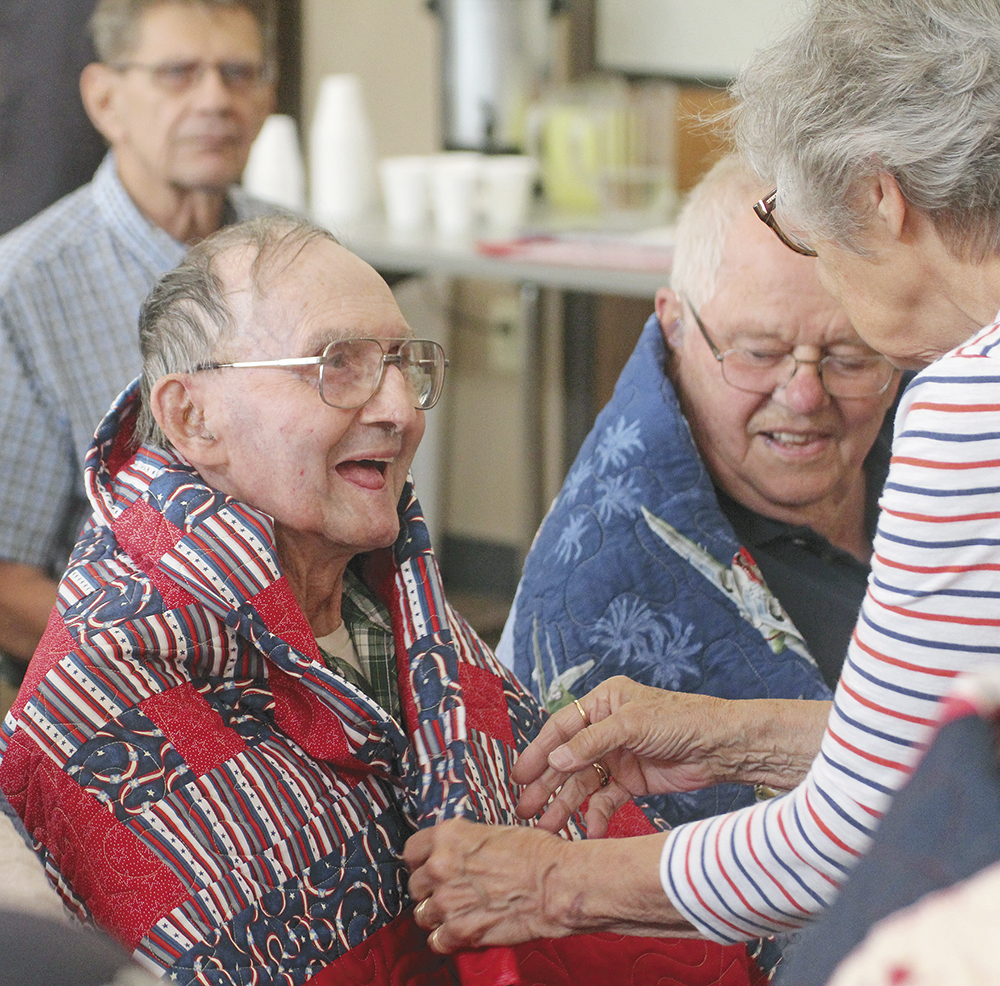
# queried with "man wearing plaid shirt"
point(180, 90)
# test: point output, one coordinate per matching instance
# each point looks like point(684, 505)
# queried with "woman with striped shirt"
point(878, 120)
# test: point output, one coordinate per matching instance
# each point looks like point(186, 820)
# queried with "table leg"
point(532, 398)
point(579, 355)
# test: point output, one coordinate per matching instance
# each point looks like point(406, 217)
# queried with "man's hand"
point(479, 885)
point(27, 596)
point(653, 741)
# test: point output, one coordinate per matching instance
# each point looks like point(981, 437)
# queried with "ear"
point(670, 314)
point(890, 205)
point(180, 412)
point(98, 90)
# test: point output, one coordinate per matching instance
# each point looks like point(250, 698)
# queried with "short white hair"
point(729, 189)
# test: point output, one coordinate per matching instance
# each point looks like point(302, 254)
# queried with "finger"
point(421, 883)
point(590, 745)
point(558, 729)
point(418, 848)
point(537, 794)
point(475, 929)
point(424, 915)
point(604, 802)
point(435, 941)
point(448, 938)
point(601, 808)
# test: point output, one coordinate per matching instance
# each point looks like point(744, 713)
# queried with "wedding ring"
point(602, 772)
point(581, 710)
point(418, 912)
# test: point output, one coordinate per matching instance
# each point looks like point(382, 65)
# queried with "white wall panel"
point(706, 40)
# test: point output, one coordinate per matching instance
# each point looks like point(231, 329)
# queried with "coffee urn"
point(495, 55)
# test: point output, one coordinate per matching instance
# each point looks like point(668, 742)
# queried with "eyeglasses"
point(765, 371)
point(351, 370)
point(178, 77)
point(765, 213)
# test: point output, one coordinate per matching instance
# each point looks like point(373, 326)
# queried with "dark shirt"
point(820, 586)
point(48, 146)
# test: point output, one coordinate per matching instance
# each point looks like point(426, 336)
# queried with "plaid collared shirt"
point(370, 627)
point(72, 280)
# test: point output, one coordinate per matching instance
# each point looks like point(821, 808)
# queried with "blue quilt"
point(636, 571)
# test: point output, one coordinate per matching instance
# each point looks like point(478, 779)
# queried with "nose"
point(804, 391)
point(210, 88)
point(392, 402)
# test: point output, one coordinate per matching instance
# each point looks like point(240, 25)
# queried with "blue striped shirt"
point(72, 280)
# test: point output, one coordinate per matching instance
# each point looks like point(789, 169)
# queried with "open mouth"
point(366, 473)
point(793, 439)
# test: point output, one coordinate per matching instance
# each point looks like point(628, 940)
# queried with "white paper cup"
point(406, 191)
point(507, 184)
point(343, 182)
point(455, 192)
point(275, 170)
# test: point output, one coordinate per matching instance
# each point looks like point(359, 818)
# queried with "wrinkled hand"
point(650, 740)
point(490, 883)
point(478, 885)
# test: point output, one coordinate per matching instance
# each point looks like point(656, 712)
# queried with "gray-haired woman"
point(879, 121)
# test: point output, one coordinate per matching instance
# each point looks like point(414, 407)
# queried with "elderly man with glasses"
point(252, 688)
point(714, 534)
point(179, 91)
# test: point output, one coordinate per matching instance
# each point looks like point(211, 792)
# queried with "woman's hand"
point(491, 884)
point(652, 741)
point(478, 885)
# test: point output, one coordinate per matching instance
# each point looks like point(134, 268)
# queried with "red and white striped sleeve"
point(932, 611)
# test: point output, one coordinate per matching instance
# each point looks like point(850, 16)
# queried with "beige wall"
point(392, 45)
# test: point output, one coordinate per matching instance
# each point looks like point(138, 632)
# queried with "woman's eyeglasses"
point(765, 213)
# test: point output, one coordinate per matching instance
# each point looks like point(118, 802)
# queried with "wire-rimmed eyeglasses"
point(759, 371)
point(765, 213)
point(237, 76)
point(351, 370)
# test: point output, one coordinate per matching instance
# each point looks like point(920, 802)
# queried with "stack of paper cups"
point(506, 187)
point(341, 153)
point(405, 191)
point(274, 170)
point(454, 188)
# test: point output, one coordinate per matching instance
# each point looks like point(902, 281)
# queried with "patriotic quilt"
point(200, 785)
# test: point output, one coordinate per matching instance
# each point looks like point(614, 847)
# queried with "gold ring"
point(582, 711)
point(602, 772)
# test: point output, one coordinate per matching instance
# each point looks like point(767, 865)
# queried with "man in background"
point(714, 534)
point(179, 91)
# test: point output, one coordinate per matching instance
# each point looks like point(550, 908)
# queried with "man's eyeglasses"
point(759, 371)
point(178, 77)
point(351, 370)
point(765, 213)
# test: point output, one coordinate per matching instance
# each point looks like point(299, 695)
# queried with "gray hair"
point(185, 322)
point(729, 189)
point(114, 24)
point(909, 87)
